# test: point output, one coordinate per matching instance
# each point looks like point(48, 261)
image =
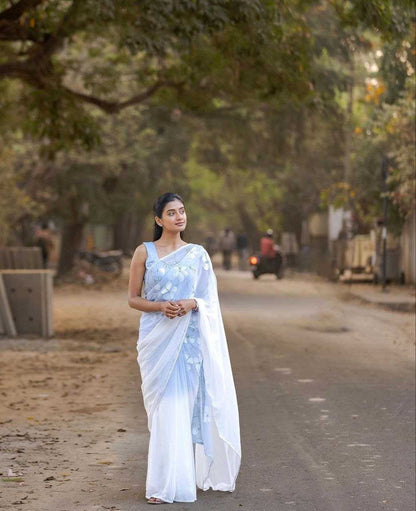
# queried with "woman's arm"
point(137, 269)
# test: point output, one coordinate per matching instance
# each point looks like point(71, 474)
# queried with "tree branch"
point(33, 72)
point(38, 70)
point(10, 27)
point(54, 42)
point(112, 107)
point(14, 32)
point(14, 12)
point(14, 69)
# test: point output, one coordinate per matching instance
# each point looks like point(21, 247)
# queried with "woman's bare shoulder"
point(140, 254)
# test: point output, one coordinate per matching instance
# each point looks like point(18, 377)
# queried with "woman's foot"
point(155, 500)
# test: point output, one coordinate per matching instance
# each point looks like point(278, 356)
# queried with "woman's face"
point(173, 217)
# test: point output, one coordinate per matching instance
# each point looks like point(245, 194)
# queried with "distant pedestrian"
point(242, 251)
point(227, 245)
point(43, 239)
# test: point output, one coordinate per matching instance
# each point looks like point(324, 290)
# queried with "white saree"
point(187, 382)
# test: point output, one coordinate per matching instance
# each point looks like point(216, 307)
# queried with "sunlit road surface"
point(325, 390)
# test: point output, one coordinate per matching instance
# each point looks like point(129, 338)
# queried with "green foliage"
point(397, 64)
point(162, 25)
point(142, 153)
point(245, 199)
point(15, 203)
point(240, 106)
point(399, 131)
point(97, 53)
point(390, 18)
point(389, 131)
point(56, 119)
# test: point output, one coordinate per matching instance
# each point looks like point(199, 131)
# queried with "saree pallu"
point(187, 382)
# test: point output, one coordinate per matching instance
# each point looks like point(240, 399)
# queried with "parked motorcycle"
point(110, 261)
point(260, 265)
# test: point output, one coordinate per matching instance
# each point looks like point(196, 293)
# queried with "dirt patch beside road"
point(63, 397)
point(71, 406)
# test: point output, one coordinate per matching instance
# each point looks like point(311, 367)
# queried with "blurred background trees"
point(258, 112)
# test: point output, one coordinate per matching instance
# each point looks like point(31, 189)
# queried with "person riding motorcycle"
point(270, 251)
point(267, 248)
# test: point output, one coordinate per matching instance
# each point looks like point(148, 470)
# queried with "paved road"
point(326, 393)
point(326, 398)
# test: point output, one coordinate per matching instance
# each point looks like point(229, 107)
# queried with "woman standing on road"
point(187, 382)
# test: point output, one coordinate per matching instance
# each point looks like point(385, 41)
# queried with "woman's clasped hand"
point(171, 309)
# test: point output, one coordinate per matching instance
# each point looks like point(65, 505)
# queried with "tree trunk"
point(349, 123)
point(299, 133)
point(250, 227)
point(71, 242)
point(128, 231)
point(120, 232)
